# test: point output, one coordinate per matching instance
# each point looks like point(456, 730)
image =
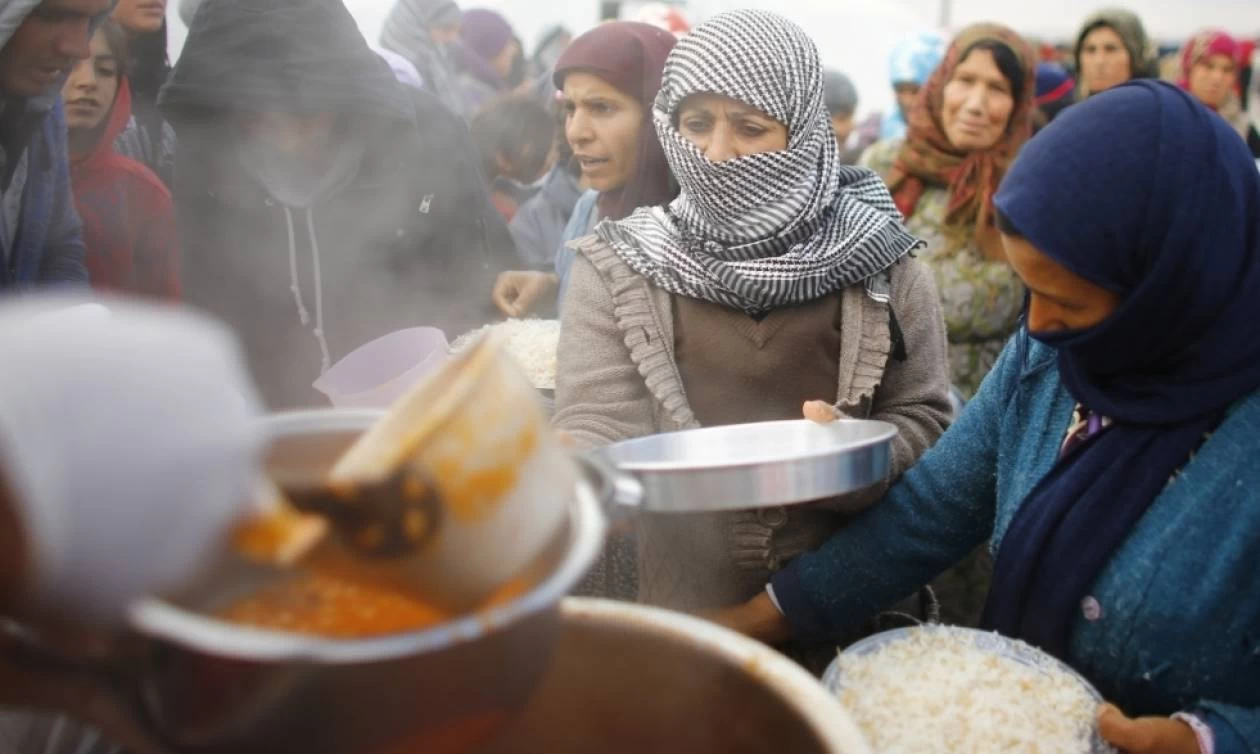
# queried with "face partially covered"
point(93, 84)
point(45, 47)
point(724, 128)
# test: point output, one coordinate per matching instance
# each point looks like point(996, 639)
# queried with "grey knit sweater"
point(617, 379)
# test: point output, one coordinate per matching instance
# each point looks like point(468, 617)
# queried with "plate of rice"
point(955, 690)
point(531, 342)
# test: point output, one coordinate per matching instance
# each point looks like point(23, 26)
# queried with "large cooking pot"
point(628, 679)
point(200, 685)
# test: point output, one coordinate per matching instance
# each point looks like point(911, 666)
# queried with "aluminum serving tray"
point(986, 641)
point(750, 466)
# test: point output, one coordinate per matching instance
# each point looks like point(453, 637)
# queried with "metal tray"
point(750, 466)
point(986, 641)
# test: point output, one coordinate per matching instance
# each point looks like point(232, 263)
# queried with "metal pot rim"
point(584, 539)
point(819, 709)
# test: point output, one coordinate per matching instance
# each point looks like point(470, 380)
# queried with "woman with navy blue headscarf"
point(1110, 458)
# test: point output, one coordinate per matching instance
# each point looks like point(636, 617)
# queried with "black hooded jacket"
point(410, 239)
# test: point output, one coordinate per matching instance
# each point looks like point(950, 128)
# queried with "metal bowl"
point(197, 684)
point(761, 465)
point(986, 641)
point(628, 679)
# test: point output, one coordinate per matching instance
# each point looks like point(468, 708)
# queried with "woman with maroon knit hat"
point(488, 58)
point(609, 78)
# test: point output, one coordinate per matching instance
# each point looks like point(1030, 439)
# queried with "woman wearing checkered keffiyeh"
point(777, 276)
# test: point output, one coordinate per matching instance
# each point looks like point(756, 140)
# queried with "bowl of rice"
point(531, 342)
point(946, 689)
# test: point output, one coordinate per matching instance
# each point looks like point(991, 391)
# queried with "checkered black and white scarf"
point(766, 230)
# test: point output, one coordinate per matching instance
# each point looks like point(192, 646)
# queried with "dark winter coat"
point(410, 240)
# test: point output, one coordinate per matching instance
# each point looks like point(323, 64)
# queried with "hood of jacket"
point(297, 56)
point(12, 14)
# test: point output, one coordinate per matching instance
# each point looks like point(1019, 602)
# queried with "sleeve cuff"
point(1202, 731)
point(789, 595)
point(1227, 725)
point(773, 599)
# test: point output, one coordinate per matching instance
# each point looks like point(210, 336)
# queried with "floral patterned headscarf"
point(927, 158)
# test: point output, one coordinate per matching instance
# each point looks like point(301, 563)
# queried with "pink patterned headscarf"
point(1204, 45)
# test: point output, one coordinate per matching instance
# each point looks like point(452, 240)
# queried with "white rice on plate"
point(532, 342)
point(959, 691)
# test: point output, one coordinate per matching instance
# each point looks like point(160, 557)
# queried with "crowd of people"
point(1038, 267)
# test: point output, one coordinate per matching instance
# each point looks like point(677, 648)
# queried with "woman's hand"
point(516, 292)
point(821, 412)
point(1146, 735)
point(757, 619)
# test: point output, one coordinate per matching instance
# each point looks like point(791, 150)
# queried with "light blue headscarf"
point(913, 59)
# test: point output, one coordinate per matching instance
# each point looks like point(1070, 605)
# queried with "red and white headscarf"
point(663, 16)
point(1205, 44)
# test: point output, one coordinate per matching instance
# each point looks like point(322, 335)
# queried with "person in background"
point(1112, 48)
point(538, 227)
point(488, 57)
point(717, 309)
point(321, 205)
point(1110, 457)
point(422, 32)
point(403, 70)
point(665, 16)
point(971, 119)
point(552, 43)
point(147, 138)
point(542, 65)
point(1056, 91)
point(609, 77)
point(1209, 70)
point(913, 59)
point(41, 239)
point(841, 100)
point(973, 116)
point(127, 212)
point(514, 136)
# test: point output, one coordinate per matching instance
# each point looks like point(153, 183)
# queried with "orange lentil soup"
point(335, 607)
point(332, 607)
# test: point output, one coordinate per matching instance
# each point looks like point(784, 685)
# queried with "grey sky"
point(856, 35)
